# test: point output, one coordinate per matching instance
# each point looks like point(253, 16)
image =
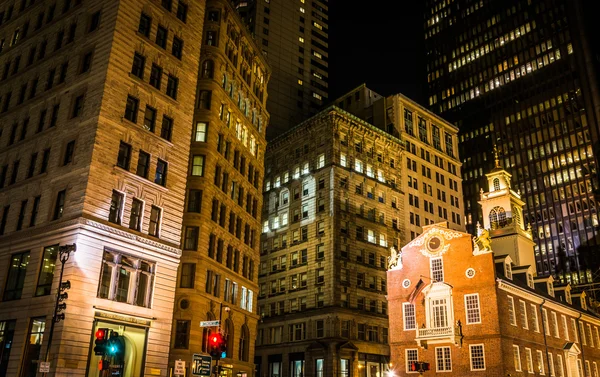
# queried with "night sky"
point(381, 45)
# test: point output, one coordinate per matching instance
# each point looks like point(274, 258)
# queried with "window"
point(412, 356)
point(34, 211)
point(472, 308)
point(172, 84)
point(511, 311)
point(149, 119)
point(131, 109)
point(135, 219)
point(94, 22)
point(59, 206)
point(534, 318)
point(86, 62)
point(344, 367)
point(154, 226)
point(198, 165)
point(139, 62)
point(16, 276)
point(161, 36)
point(7, 331)
point(321, 161)
point(182, 334)
point(194, 201)
point(437, 269)
point(69, 151)
point(166, 129)
point(161, 173)
point(45, 160)
point(188, 275)
point(124, 157)
point(33, 346)
point(143, 164)
point(540, 361)
point(545, 320)
point(201, 132)
point(126, 279)
point(177, 48)
point(156, 76)
point(208, 69)
point(410, 322)
point(523, 314)
point(443, 361)
point(477, 356)
point(190, 241)
point(182, 9)
point(517, 358)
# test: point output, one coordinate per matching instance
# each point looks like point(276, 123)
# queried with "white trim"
point(406, 358)
point(471, 346)
point(443, 359)
point(467, 310)
point(414, 315)
point(517, 358)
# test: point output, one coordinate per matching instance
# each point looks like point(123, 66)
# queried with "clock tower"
point(503, 218)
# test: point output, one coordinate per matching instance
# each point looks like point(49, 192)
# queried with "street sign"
point(44, 367)
point(209, 323)
point(179, 367)
point(201, 365)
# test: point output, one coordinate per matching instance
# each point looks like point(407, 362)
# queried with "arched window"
point(496, 184)
point(516, 215)
point(498, 218)
point(229, 333)
point(206, 331)
point(244, 343)
point(208, 69)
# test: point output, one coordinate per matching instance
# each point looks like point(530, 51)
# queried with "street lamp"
point(64, 252)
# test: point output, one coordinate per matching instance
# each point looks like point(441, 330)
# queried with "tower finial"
point(496, 158)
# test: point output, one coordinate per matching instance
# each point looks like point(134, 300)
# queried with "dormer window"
point(530, 280)
point(496, 184)
point(568, 296)
point(508, 270)
point(583, 302)
point(550, 288)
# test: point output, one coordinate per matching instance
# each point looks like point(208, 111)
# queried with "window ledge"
point(141, 179)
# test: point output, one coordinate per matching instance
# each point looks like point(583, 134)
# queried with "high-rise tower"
point(518, 74)
point(294, 36)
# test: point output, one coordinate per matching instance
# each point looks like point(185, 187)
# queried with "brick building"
point(477, 307)
point(333, 210)
point(218, 278)
point(97, 99)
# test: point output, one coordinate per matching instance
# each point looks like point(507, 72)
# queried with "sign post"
point(179, 368)
point(201, 365)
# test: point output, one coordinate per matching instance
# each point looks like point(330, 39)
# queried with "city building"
point(333, 210)
point(294, 37)
point(96, 110)
point(476, 306)
point(431, 168)
point(217, 278)
point(520, 75)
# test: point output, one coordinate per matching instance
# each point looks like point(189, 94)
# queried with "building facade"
point(217, 278)
point(431, 168)
point(520, 75)
point(333, 210)
point(294, 37)
point(97, 105)
point(474, 306)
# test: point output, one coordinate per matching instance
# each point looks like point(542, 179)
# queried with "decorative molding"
point(447, 234)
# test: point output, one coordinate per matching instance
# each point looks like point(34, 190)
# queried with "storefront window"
point(33, 347)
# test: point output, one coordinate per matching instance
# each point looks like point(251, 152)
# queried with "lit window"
point(343, 161)
point(517, 357)
point(300, 82)
point(358, 165)
point(321, 161)
point(511, 311)
point(302, 10)
point(301, 40)
point(317, 96)
point(126, 279)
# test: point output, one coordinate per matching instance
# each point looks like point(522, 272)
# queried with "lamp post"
point(64, 252)
point(227, 309)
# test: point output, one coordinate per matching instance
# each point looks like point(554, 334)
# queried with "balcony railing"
point(449, 334)
point(436, 332)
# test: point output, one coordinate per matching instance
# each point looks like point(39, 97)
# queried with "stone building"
point(218, 278)
point(97, 99)
point(431, 168)
point(333, 210)
point(477, 307)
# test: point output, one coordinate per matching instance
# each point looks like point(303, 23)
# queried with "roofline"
point(428, 112)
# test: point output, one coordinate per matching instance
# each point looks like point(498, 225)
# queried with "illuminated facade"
point(333, 210)
point(294, 37)
point(519, 75)
point(431, 168)
point(217, 278)
point(476, 307)
point(97, 104)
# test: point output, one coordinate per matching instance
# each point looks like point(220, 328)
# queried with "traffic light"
point(103, 365)
point(419, 366)
point(101, 341)
point(217, 344)
point(116, 346)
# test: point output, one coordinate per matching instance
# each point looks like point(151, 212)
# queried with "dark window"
point(16, 276)
point(51, 13)
point(145, 25)
point(5, 211)
point(42, 51)
point(149, 119)
point(204, 99)
point(33, 89)
point(213, 15)
point(42, 120)
point(143, 164)
point(6, 101)
point(194, 201)
point(54, 118)
point(182, 334)
point(50, 80)
point(45, 160)
point(59, 39)
point(135, 219)
point(116, 207)
point(15, 172)
point(124, 157)
point(77, 106)
point(63, 72)
point(39, 22)
point(22, 94)
point(167, 4)
point(161, 173)
point(208, 69)
point(161, 37)
point(86, 62)
point(21, 217)
point(69, 151)
point(211, 38)
point(24, 128)
point(182, 10)
point(167, 128)
point(72, 31)
point(172, 84)
point(188, 275)
point(13, 134)
point(44, 284)
point(31, 56)
point(155, 76)
point(139, 62)
point(177, 47)
point(190, 241)
point(7, 333)
point(94, 21)
point(131, 109)
point(154, 226)
point(34, 210)
point(66, 6)
point(32, 163)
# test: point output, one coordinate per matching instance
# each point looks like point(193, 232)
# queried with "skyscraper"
point(96, 110)
point(518, 75)
point(294, 38)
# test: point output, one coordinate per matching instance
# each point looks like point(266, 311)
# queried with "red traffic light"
point(215, 340)
point(101, 334)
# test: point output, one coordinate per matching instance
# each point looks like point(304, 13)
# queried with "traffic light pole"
point(64, 252)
